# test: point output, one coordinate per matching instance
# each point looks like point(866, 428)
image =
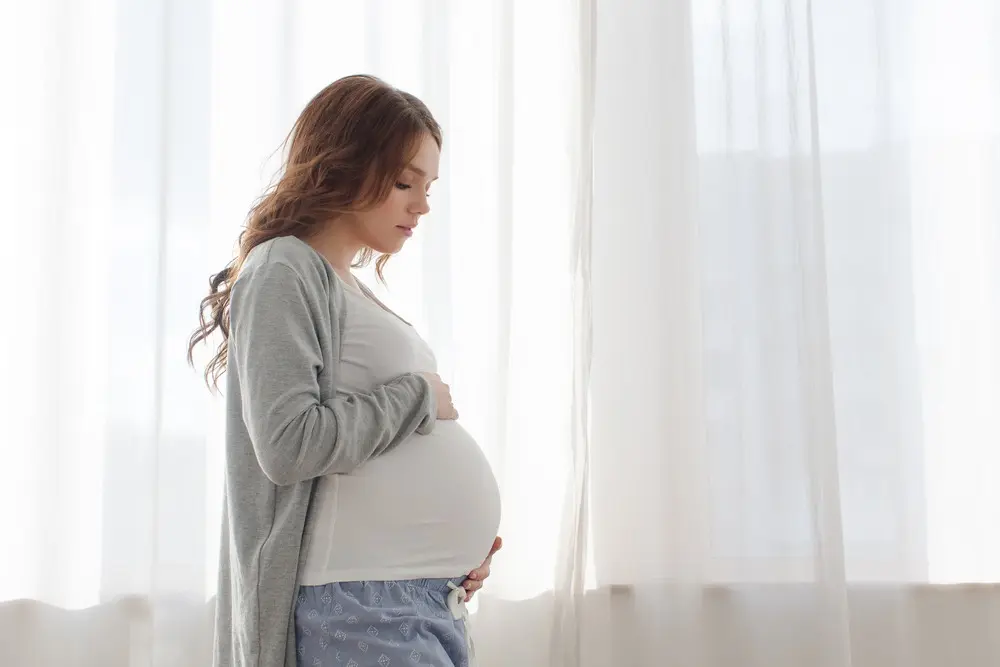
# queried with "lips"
point(408, 231)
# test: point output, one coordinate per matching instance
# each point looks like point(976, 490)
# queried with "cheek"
point(386, 215)
point(394, 208)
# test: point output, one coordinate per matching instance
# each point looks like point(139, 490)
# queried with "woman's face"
point(387, 227)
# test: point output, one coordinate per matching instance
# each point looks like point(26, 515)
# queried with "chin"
point(387, 248)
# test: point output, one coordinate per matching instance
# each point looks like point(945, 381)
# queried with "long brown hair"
point(344, 153)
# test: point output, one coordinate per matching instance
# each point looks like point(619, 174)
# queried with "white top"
point(428, 508)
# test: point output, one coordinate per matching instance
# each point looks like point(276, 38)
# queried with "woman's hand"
point(475, 580)
point(442, 395)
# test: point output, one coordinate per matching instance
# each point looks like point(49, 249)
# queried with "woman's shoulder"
point(291, 256)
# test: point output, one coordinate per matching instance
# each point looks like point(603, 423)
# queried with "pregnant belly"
point(429, 508)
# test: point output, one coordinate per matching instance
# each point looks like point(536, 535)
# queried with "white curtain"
point(796, 301)
point(716, 284)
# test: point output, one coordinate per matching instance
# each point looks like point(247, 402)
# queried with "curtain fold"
point(571, 567)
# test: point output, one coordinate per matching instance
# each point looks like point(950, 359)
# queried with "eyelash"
point(404, 186)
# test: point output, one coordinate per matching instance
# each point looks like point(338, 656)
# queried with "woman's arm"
point(277, 356)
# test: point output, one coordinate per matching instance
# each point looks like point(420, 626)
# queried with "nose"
point(420, 205)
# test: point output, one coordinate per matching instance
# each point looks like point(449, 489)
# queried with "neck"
point(338, 245)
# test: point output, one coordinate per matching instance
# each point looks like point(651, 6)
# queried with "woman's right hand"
point(442, 396)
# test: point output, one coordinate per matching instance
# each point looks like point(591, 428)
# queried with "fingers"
point(474, 583)
point(470, 589)
point(497, 546)
point(442, 392)
point(452, 412)
point(475, 579)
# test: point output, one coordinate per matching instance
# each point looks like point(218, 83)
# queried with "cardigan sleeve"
point(275, 351)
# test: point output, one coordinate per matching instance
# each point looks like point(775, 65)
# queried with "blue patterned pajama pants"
point(409, 623)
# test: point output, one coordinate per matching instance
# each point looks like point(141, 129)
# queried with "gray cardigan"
point(286, 425)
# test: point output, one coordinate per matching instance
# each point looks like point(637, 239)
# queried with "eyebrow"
point(418, 171)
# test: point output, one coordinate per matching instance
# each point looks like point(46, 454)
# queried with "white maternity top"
point(428, 508)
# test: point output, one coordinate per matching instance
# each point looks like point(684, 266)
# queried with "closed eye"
point(407, 186)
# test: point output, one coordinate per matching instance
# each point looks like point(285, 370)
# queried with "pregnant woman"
point(358, 512)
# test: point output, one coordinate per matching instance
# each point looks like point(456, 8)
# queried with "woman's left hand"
point(475, 579)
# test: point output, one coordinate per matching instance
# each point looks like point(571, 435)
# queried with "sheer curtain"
point(716, 284)
point(795, 316)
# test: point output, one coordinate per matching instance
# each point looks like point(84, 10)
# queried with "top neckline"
point(366, 293)
point(361, 290)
